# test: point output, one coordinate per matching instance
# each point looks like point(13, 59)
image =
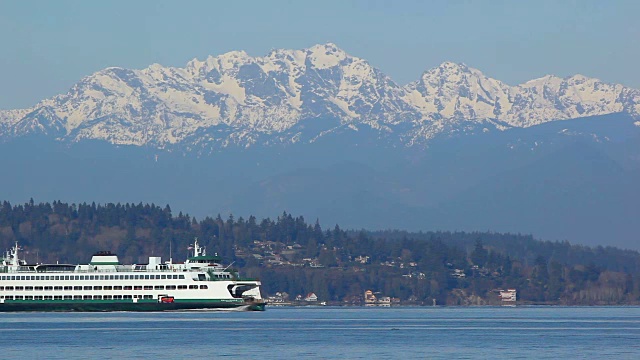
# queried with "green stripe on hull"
point(126, 305)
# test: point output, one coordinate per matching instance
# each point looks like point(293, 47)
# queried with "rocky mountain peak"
point(235, 98)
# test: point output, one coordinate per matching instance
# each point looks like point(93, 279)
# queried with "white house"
point(311, 297)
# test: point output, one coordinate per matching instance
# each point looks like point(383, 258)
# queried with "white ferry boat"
point(105, 284)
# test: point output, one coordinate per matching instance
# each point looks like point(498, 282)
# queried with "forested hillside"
point(294, 256)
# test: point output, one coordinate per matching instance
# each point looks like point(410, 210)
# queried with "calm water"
point(352, 333)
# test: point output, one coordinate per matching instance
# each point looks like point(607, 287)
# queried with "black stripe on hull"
point(124, 306)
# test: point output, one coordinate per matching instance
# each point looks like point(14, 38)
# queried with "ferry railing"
point(89, 271)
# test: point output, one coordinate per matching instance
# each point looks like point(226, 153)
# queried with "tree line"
point(294, 256)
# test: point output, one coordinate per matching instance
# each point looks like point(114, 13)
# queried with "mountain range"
point(236, 99)
point(320, 133)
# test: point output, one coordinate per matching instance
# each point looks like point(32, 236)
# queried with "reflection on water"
point(352, 333)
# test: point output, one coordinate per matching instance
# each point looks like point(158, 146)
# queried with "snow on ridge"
point(326, 56)
point(271, 94)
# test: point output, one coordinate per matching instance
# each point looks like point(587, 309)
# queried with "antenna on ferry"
point(170, 255)
point(229, 266)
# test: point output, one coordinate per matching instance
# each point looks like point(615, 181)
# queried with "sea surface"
point(329, 333)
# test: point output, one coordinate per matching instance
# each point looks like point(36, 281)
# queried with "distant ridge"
point(237, 100)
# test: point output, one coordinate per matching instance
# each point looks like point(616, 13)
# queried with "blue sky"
point(47, 46)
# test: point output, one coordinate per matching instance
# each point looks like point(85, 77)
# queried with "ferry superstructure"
point(201, 282)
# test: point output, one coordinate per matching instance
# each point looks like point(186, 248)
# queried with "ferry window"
point(48, 297)
point(159, 287)
point(137, 287)
point(22, 277)
point(127, 288)
point(3, 278)
point(87, 288)
point(163, 277)
point(28, 297)
point(13, 278)
point(107, 297)
point(38, 288)
point(48, 288)
point(47, 277)
point(57, 278)
point(67, 297)
point(77, 277)
point(193, 286)
point(81, 277)
point(19, 288)
point(28, 288)
point(87, 297)
point(158, 277)
point(117, 296)
point(146, 277)
point(97, 288)
point(108, 288)
point(175, 277)
point(57, 288)
point(91, 277)
point(120, 277)
point(181, 276)
point(171, 287)
point(201, 277)
point(148, 296)
point(77, 297)
point(37, 297)
point(97, 297)
point(127, 297)
point(66, 277)
point(148, 287)
point(126, 277)
point(77, 288)
point(1, 288)
point(68, 288)
point(204, 287)
point(19, 297)
point(117, 288)
point(101, 277)
point(182, 287)
point(57, 297)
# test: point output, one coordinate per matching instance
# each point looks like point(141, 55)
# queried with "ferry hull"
point(106, 306)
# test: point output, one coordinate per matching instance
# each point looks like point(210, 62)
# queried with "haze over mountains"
point(324, 134)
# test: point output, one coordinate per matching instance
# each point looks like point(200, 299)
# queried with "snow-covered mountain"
point(236, 99)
